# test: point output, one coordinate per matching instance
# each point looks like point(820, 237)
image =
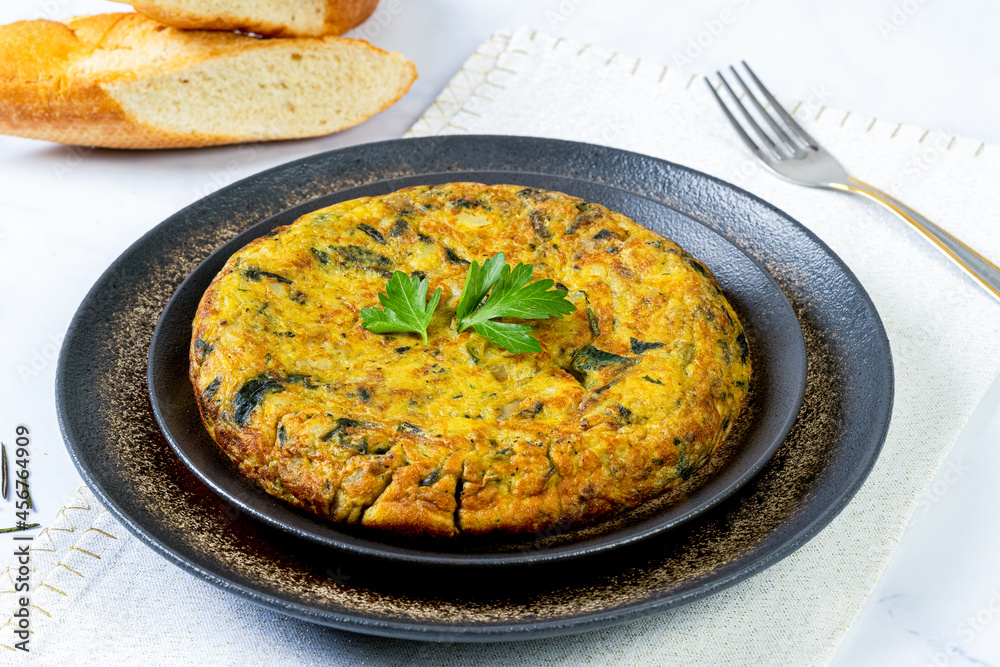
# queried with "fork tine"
point(750, 119)
point(754, 148)
point(796, 129)
point(787, 142)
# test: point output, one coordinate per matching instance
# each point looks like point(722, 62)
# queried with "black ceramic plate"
point(779, 377)
point(108, 423)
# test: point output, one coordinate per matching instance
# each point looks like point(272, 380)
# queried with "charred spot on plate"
point(256, 275)
point(373, 233)
point(638, 346)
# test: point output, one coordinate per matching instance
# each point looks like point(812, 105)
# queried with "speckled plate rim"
point(699, 189)
point(773, 315)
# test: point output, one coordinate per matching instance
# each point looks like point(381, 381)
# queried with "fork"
point(789, 151)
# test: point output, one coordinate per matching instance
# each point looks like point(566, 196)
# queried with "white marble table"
point(930, 64)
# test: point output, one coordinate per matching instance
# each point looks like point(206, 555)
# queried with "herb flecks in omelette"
point(627, 394)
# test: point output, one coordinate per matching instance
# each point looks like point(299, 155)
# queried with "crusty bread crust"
point(58, 80)
point(341, 16)
point(346, 14)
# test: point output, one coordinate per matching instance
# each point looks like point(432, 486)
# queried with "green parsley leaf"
point(404, 307)
point(511, 296)
point(478, 282)
point(512, 337)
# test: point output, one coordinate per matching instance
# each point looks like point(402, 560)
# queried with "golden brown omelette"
point(632, 391)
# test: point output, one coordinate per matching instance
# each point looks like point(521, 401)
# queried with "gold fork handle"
point(978, 267)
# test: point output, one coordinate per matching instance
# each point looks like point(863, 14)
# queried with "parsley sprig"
point(404, 307)
point(478, 282)
point(510, 295)
point(492, 290)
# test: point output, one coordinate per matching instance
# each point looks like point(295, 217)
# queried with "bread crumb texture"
point(126, 81)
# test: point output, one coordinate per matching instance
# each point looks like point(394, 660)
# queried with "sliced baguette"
point(273, 18)
point(126, 81)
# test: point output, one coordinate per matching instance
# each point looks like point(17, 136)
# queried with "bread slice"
point(273, 18)
point(126, 81)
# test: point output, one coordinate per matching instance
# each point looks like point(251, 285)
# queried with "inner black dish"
point(777, 387)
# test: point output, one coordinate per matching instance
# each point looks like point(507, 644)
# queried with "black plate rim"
point(371, 548)
point(503, 631)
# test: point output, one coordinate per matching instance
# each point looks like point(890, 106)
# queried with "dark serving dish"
point(109, 426)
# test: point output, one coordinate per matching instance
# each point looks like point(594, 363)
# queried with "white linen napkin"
point(102, 596)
